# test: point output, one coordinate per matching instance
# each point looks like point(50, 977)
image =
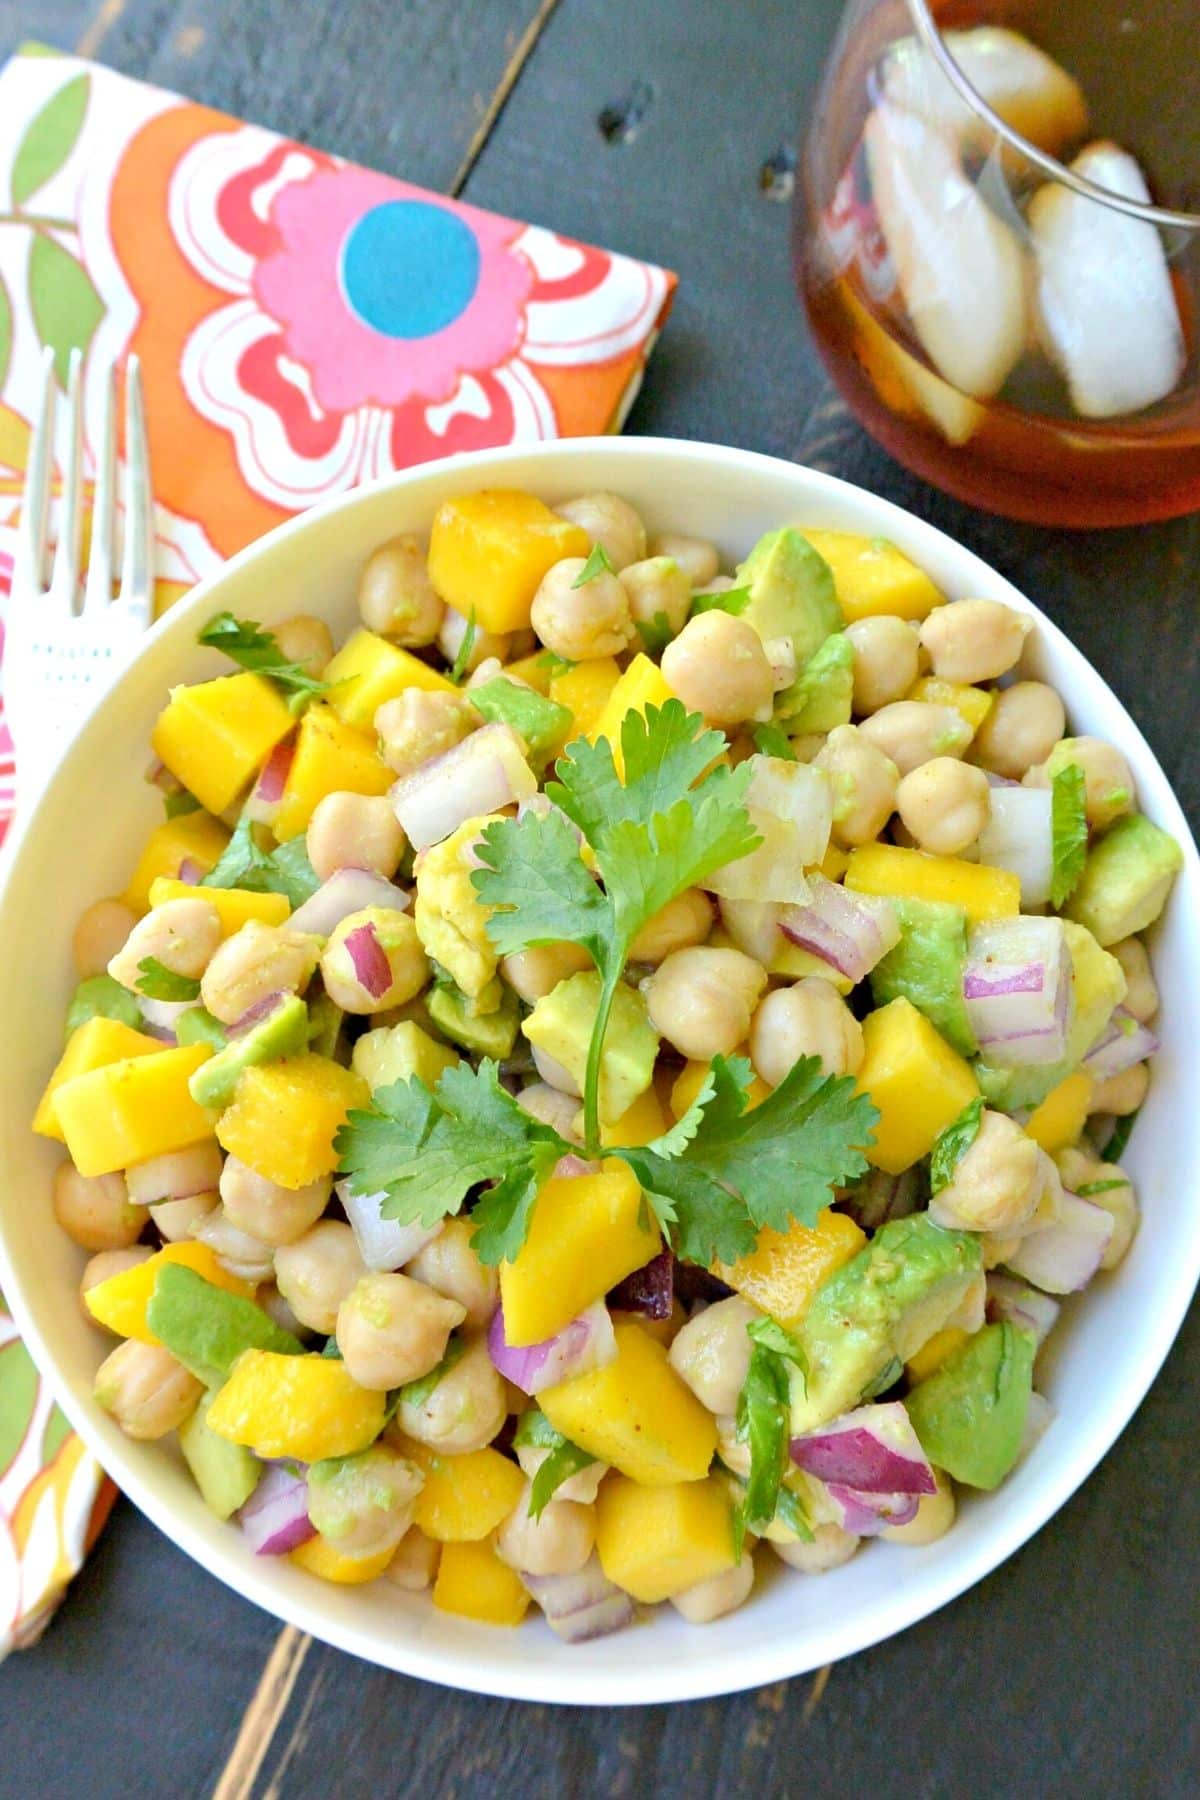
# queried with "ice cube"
point(961, 270)
point(1104, 303)
point(1024, 86)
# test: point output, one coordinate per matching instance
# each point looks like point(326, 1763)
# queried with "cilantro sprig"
point(1068, 831)
point(763, 1415)
point(157, 982)
point(460, 667)
point(252, 647)
point(952, 1144)
point(245, 864)
point(599, 562)
point(564, 1460)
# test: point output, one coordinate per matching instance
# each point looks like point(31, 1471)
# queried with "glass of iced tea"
point(999, 245)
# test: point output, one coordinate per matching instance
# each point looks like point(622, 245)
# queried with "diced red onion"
point(382, 1243)
point(190, 872)
point(486, 771)
point(866, 1515)
point(1017, 991)
point(1021, 1305)
point(1064, 1257)
point(852, 932)
point(275, 1518)
point(569, 1167)
point(1018, 837)
point(372, 969)
point(254, 1015)
point(1123, 1042)
point(263, 803)
point(580, 1606)
point(346, 891)
point(791, 807)
point(873, 1450)
point(162, 1016)
point(650, 1290)
point(586, 1342)
point(1000, 781)
point(177, 1175)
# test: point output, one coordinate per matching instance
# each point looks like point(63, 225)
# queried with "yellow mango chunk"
point(588, 1232)
point(1058, 1121)
point(489, 551)
point(643, 684)
point(586, 689)
point(367, 670)
point(785, 1268)
point(888, 869)
point(834, 861)
point(915, 1079)
point(934, 1351)
point(656, 1541)
point(215, 736)
point(641, 1124)
point(972, 704)
point(284, 1116)
point(464, 1497)
point(301, 1406)
point(794, 962)
point(872, 576)
point(533, 670)
point(196, 837)
point(319, 1557)
point(234, 906)
point(92, 1045)
point(690, 1080)
point(636, 1413)
point(131, 1110)
point(331, 758)
point(473, 1583)
point(120, 1303)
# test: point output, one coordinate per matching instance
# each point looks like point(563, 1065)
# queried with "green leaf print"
point(49, 139)
point(66, 307)
point(6, 328)
point(58, 1428)
point(18, 1397)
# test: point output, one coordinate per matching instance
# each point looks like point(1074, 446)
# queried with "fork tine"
point(137, 564)
point(29, 575)
point(98, 592)
point(64, 583)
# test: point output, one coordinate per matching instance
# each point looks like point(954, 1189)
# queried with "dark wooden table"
point(1072, 1670)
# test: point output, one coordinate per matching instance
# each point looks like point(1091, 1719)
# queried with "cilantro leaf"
point(463, 654)
point(565, 1459)
point(772, 740)
point(1099, 1187)
point(1068, 831)
point(599, 562)
point(763, 1414)
point(789, 1510)
point(1115, 1147)
point(100, 997)
point(557, 665)
point(952, 1144)
point(252, 647)
point(178, 803)
point(665, 753)
point(416, 1393)
point(535, 1432)
point(656, 635)
point(733, 600)
point(157, 982)
point(245, 864)
point(645, 866)
point(532, 877)
point(541, 722)
point(776, 1337)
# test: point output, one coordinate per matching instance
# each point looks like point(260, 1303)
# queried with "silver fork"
point(61, 649)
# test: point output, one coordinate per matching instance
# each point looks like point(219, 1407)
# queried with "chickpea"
point(354, 831)
point(306, 640)
point(1123, 1093)
point(99, 935)
point(913, 731)
point(450, 1265)
point(1077, 1171)
point(179, 1172)
point(555, 1074)
point(181, 934)
point(945, 804)
point(104, 1265)
point(810, 1018)
point(465, 1410)
point(315, 1274)
point(697, 557)
point(392, 1330)
point(935, 1516)
point(998, 1183)
point(416, 727)
point(363, 1504)
point(658, 589)
point(558, 1542)
point(679, 925)
point(719, 1595)
point(552, 1107)
point(1107, 779)
point(830, 1548)
point(415, 1563)
point(712, 1352)
point(582, 1487)
point(886, 660)
point(273, 1214)
point(396, 597)
point(244, 1256)
point(256, 962)
point(1023, 726)
point(585, 621)
point(974, 640)
point(175, 1220)
point(534, 972)
point(274, 1304)
point(357, 985)
point(864, 782)
point(147, 1392)
point(452, 633)
point(1141, 989)
point(95, 1211)
point(489, 670)
point(718, 667)
point(611, 522)
point(701, 1000)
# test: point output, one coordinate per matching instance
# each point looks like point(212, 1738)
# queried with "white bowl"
point(80, 843)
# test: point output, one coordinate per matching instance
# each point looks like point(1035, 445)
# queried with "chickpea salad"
point(614, 1066)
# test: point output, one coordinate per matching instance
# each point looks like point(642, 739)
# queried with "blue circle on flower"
point(409, 268)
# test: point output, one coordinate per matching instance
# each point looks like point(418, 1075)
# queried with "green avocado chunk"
point(926, 966)
point(208, 1328)
point(199, 1027)
point(1126, 879)
point(284, 1032)
point(792, 592)
point(970, 1413)
point(542, 723)
point(325, 1021)
point(820, 698)
point(100, 997)
point(226, 1474)
point(876, 1311)
point(486, 1034)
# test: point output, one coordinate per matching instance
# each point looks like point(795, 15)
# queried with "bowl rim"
point(476, 1670)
